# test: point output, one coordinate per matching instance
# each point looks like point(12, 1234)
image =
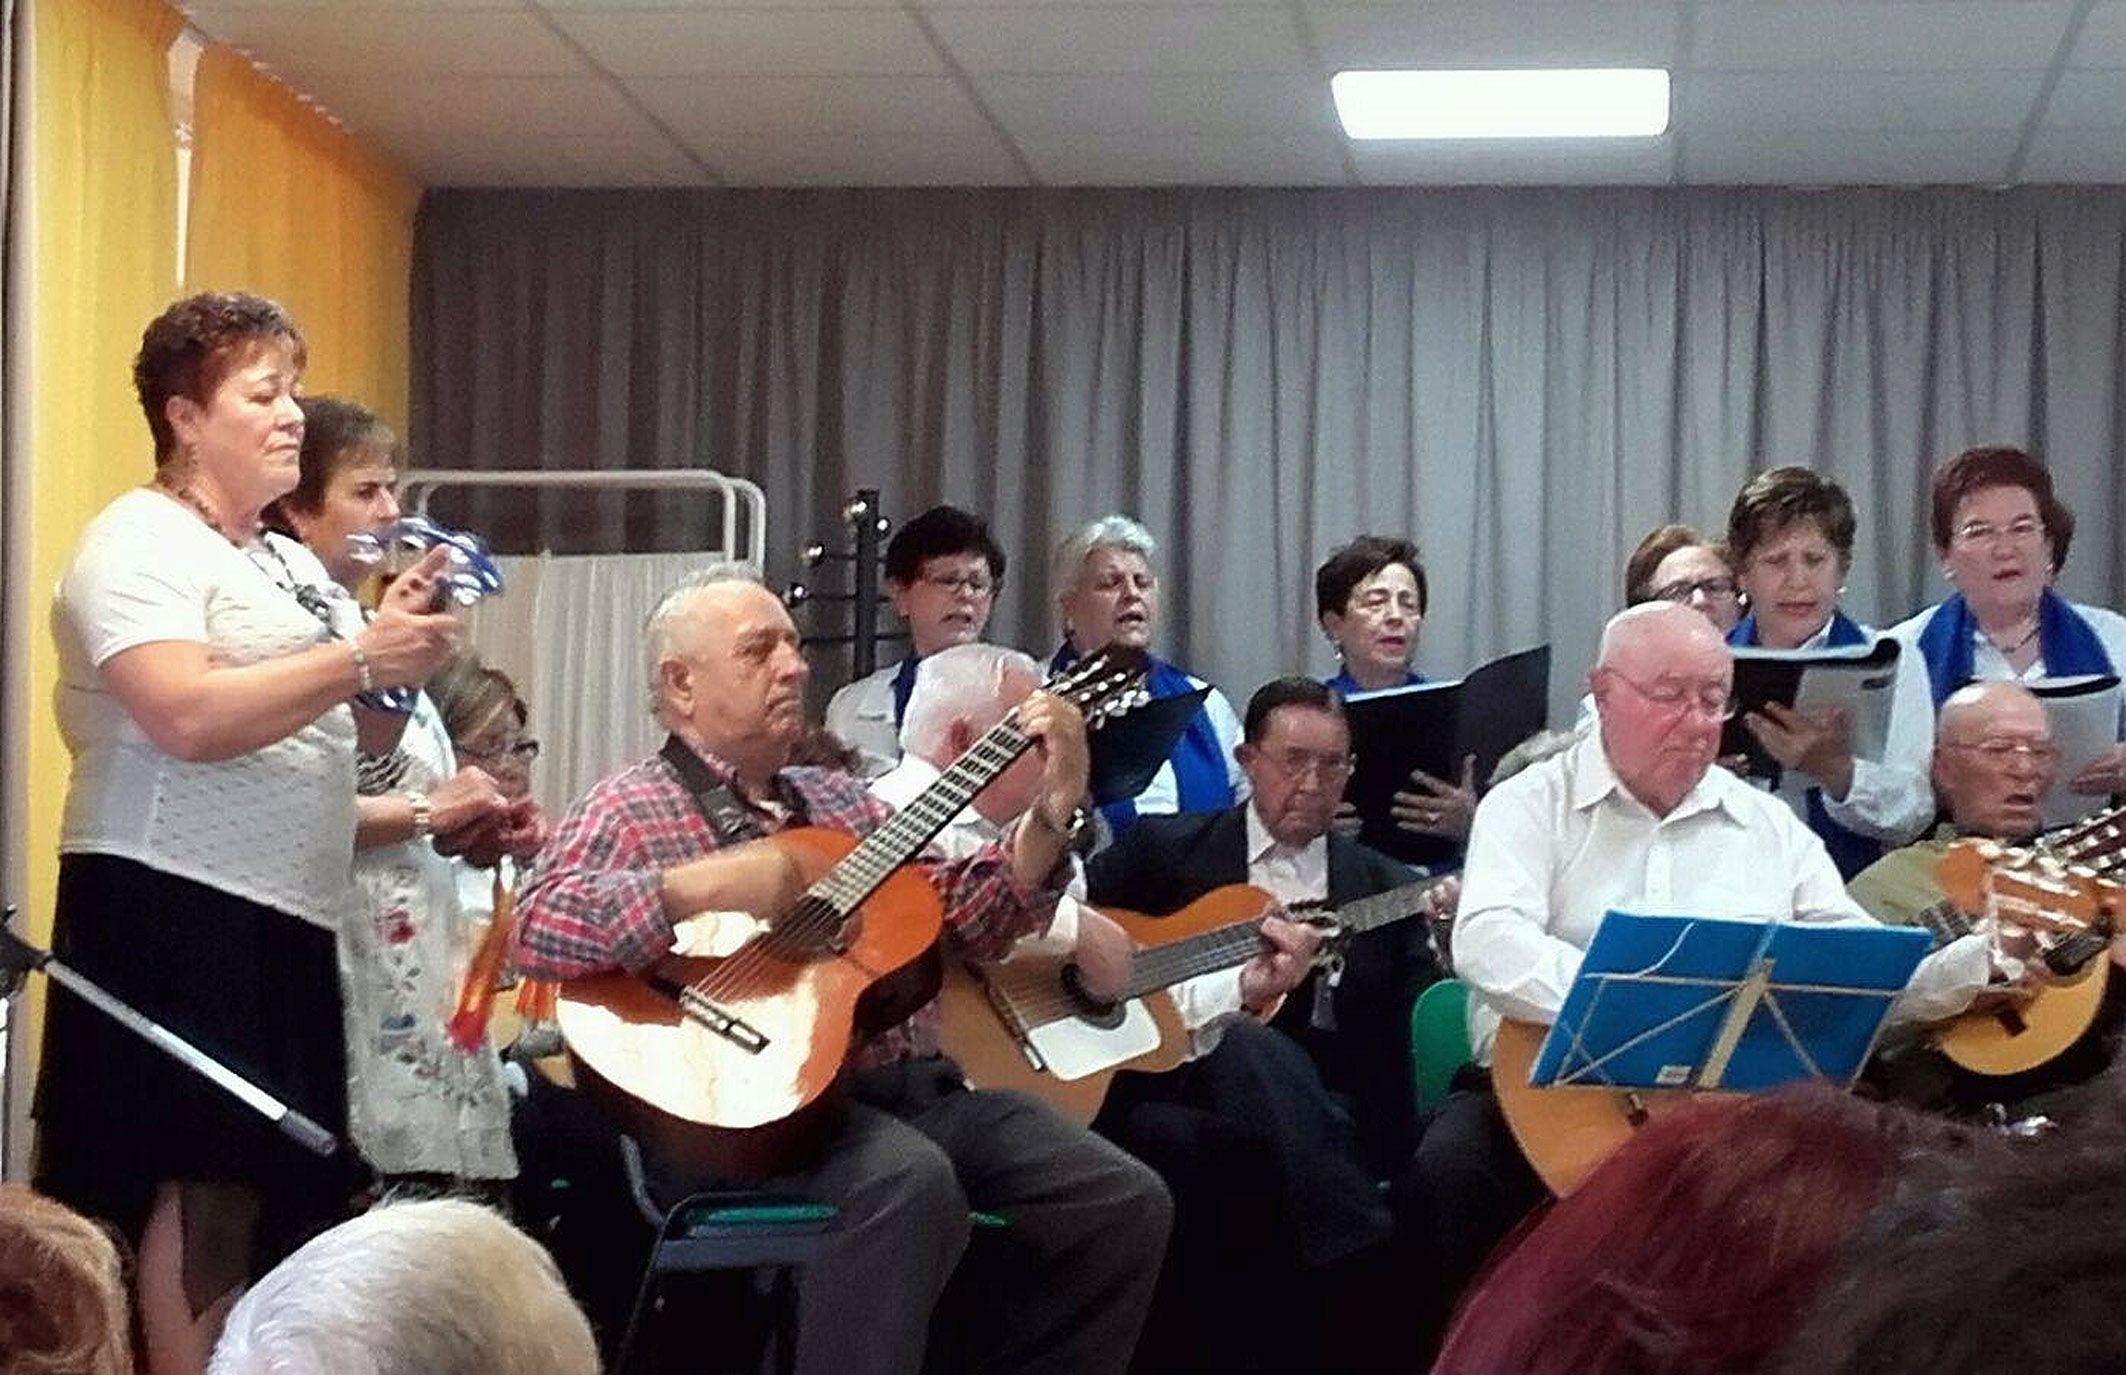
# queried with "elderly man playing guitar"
point(1634, 817)
point(674, 866)
point(1993, 764)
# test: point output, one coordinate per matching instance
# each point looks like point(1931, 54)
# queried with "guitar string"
point(1156, 967)
point(976, 768)
point(837, 893)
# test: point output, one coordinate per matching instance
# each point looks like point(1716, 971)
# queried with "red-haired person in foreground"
point(62, 1294)
point(1695, 1246)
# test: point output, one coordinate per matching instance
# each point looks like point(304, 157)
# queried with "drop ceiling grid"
point(1009, 91)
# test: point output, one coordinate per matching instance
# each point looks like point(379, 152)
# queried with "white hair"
point(1106, 532)
point(1627, 625)
point(957, 684)
point(442, 1287)
point(664, 627)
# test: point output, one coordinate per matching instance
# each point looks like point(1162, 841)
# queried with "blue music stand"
point(1716, 1003)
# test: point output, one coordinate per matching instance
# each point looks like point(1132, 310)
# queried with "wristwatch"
point(424, 814)
point(1068, 830)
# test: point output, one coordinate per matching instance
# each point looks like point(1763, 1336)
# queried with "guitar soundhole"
point(1104, 1015)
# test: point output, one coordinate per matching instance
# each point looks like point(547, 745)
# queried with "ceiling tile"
point(1872, 35)
point(1844, 100)
point(1206, 103)
point(198, 10)
point(1477, 35)
point(557, 162)
point(754, 42)
point(863, 160)
point(811, 105)
point(2102, 41)
point(296, 41)
point(504, 107)
point(1293, 159)
point(1486, 162)
point(2086, 155)
point(1864, 157)
point(1151, 38)
point(2088, 100)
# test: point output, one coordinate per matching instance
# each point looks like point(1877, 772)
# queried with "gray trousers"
point(1063, 1289)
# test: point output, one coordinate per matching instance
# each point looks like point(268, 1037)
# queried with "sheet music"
point(2084, 715)
point(1861, 679)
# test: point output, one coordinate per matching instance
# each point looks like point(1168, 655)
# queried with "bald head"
point(1661, 685)
point(1993, 759)
point(1657, 633)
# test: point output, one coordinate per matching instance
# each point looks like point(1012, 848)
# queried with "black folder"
point(1434, 726)
point(1128, 750)
point(1863, 679)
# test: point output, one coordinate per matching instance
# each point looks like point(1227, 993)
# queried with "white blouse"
point(275, 826)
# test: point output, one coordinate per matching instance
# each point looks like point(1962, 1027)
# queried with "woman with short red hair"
point(1693, 1249)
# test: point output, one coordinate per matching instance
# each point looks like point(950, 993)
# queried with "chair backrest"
point(1439, 1040)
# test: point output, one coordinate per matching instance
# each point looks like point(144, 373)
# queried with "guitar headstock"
point(2035, 888)
point(1105, 684)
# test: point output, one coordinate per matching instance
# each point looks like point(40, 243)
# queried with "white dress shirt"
point(861, 714)
point(1558, 845)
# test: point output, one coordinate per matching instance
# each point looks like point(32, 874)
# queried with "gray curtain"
point(1525, 381)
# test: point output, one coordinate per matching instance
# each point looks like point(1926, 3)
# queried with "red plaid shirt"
point(592, 900)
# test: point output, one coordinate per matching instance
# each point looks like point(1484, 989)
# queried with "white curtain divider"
point(568, 629)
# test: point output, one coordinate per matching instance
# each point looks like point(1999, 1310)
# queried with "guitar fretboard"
point(1163, 966)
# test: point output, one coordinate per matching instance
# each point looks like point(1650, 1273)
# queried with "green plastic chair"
point(1439, 1040)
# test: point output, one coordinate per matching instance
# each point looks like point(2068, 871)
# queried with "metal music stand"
point(1716, 1003)
point(18, 957)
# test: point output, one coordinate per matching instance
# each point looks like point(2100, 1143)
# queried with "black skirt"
point(255, 988)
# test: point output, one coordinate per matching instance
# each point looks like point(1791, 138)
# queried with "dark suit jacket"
point(1166, 862)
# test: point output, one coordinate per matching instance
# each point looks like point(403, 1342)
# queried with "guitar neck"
point(900, 840)
point(1225, 947)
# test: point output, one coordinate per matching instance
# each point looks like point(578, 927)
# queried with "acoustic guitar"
point(2056, 892)
point(2061, 893)
point(724, 1063)
point(1027, 1023)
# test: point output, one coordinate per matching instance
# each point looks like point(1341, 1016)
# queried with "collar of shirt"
point(1593, 781)
point(787, 802)
point(1290, 874)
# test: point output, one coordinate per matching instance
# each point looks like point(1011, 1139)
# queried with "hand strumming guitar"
point(1057, 730)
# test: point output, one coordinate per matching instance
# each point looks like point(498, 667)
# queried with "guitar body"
point(2034, 1033)
point(1078, 1051)
point(1148, 1037)
point(1566, 1131)
point(739, 1108)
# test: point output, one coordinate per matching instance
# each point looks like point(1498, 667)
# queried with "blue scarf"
point(1844, 631)
point(903, 688)
point(1201, 777)
point(1346, 685)
point(1850, 851)
point(2064, 641)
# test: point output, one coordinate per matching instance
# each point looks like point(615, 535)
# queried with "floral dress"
point(416, 1103)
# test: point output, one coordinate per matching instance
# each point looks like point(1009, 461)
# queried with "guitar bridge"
point(734, 1029)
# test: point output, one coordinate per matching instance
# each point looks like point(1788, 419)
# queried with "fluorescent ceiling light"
point(1596, 102)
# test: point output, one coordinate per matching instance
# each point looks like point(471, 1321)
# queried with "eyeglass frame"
point(961, 584)
point(1323, 768)
point(1683, 589)
point(2023, 530)
point(1998, 750)
point(1681, 699)
point(524, 750)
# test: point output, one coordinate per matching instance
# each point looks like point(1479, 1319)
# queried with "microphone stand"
point(18, 957)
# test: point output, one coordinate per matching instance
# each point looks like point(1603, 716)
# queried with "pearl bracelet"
point(363, 681)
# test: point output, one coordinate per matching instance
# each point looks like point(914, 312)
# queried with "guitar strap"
point(720, 807)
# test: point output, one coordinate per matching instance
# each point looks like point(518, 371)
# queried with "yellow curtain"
point(289, 205)
point(100, 215)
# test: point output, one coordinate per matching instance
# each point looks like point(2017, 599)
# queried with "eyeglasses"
point(1715, 702)
point(2000, 750)
point(1683, 589)
point(1294, 764)
point(960, 584)
point(2021, 530)
point(522, 751)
